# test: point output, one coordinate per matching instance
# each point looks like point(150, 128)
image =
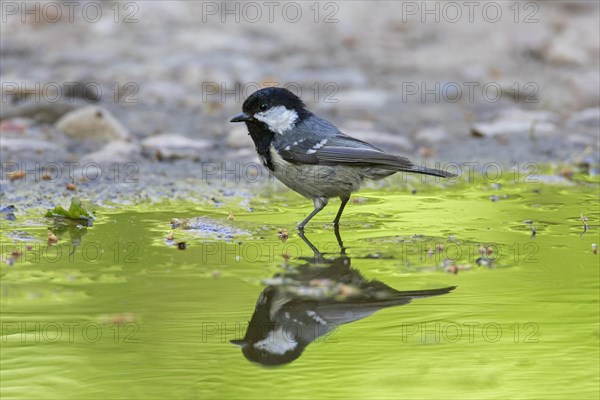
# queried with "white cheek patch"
point(278, 342)
point(279, 119)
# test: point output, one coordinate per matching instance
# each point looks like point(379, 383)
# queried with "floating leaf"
point(75, 212)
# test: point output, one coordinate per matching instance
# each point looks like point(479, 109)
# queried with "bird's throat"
point(262, 138)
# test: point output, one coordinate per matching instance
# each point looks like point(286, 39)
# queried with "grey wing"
point(341, 149)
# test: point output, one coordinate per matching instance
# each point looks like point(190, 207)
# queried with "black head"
point(276, 107)
point(264, 99)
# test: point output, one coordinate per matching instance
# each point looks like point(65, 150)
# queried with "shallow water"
point(117, 310)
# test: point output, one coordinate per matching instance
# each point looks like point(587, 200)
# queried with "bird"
point(311, 301)
point(311, 155)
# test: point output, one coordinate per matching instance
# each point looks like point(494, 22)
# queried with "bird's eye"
point(263, 107)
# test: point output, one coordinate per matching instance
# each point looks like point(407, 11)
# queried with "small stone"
point(173, 146)
point(452, 269)
point(20, 146)
point(92, 123)
point(283, 234)
point(517, 122)
point(52, 238)
point(16, 175)
point(113, 152)
point(425, 151)
point(589, 117)
point(565, 50)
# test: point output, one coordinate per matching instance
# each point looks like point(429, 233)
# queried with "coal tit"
point(310, 155)
point(312, 300)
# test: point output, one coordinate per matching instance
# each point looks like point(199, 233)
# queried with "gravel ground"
point(148, 91)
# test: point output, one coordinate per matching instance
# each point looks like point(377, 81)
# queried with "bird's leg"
point(336, 221)
point(320, 203)
point(317, 254)
point(336, 230)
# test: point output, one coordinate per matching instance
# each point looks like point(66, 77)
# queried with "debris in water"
point(283, 234)
point(52, 239)
point(13, 176)
point(585, 226)
point(533, 231)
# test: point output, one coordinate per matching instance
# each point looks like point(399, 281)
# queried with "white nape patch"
point(287, 147)
point(316, 147)
point(278, 342)
point(316, 317)
point(279, 119)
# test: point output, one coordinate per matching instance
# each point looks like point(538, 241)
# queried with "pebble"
point(564, 50)
point(40, 112)
point(10, 145)
point(92, 123)
point(590, 117)
point(173, 146)
point(118, 151)
point(515, 122)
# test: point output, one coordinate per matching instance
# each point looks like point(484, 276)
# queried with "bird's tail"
point(417, 294)
point(430, 171)
point(399, 297)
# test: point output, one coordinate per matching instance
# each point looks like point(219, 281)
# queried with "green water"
point(125, 314)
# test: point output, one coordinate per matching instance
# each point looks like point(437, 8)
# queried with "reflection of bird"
point(303, 304)
point(311, 155)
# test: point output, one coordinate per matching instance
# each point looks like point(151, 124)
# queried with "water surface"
point(117, 310)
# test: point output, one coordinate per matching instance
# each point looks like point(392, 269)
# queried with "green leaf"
point(75, 212)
